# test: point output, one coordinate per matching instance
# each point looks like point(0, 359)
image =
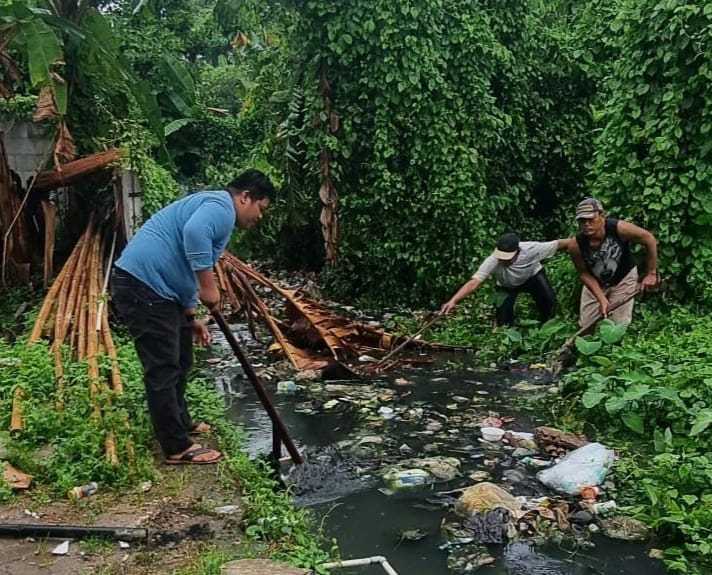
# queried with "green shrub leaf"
point(702, 422)
point(591, 399)
point(634, 421)
point(611, 332)
point(587, 347)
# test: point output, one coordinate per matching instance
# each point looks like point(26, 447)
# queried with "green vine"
point(654, 151)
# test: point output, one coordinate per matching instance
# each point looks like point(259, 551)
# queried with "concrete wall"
point(131, 194)
point(26, 144)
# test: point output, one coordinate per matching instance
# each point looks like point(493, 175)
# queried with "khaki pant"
point(590, 309)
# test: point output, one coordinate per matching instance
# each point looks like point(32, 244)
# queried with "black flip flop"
point(188, 458)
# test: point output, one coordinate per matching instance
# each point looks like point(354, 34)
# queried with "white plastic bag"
point(586, 466)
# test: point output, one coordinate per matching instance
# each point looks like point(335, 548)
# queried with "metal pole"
point(277, 422)
point(276, 443)
point(72, 531)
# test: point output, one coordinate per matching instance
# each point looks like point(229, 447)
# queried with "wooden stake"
point(110, 449)
point(91, 334)
point(16, 422)
point(49, 211)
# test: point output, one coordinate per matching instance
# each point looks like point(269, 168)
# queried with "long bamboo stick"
point(105, 281)
point(110, 449)
point(49, 210)
point(110, 348)
point(16, 421)
point(91, 335)
point(81, 324)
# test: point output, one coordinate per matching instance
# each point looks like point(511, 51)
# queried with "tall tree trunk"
point(327, 191)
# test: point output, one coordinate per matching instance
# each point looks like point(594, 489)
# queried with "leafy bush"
point(652, 156)
point(656, 382)
point(65, 447)
point(447, 114)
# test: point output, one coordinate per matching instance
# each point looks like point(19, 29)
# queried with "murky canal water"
point(352, 430)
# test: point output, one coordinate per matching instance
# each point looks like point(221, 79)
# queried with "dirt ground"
point(177, 508)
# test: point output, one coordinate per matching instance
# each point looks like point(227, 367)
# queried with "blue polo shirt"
point(184, 237)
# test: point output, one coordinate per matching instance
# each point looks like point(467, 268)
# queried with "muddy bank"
point(184, 510)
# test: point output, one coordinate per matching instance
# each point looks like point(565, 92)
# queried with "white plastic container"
point(492, 433)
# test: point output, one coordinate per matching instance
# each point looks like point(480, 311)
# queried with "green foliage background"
point(652, 154)
point(456, 120)
point(453, 121)
point(453, 130)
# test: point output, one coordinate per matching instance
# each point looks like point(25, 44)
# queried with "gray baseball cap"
point(588, 209)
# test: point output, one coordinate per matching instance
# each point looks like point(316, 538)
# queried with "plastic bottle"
point(83, 490)
point(604, 508)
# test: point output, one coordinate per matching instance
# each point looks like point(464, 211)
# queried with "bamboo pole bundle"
point(63, 297)
point(312, 336)
point(65, 304)
point(50, 298)
point(74, 299)
point(74, 312)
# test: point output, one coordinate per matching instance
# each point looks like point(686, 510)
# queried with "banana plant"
point(38, 33)
point(48, 37)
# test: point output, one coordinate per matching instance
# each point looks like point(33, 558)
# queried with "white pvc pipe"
point(360, 562)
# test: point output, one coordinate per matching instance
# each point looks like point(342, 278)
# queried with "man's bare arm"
point(466, 289)
point(208, 290)
point(642, 236)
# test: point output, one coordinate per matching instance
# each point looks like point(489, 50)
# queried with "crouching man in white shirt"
point(517, 268)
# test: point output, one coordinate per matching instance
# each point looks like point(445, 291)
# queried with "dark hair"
point(255, 183)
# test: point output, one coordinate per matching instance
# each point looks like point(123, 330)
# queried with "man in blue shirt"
point(156, 284)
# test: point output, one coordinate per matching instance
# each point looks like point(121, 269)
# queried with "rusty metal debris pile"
point(310, 335)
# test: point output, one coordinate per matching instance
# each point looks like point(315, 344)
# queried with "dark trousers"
point(540, 289)
point(164, 343)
